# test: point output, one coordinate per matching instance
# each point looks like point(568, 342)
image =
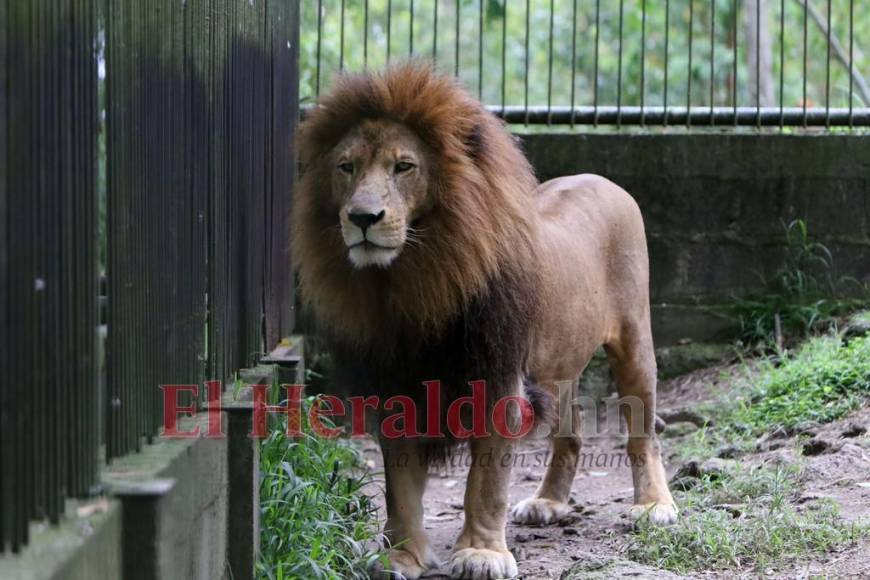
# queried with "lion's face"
point(380, 186)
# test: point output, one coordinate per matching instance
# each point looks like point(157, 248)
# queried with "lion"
point(426, 249)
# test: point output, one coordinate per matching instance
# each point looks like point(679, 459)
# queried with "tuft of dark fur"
point(489, 340)
point(542, 403)
point(474, 142)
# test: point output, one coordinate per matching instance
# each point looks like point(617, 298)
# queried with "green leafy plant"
point(803, 295)
point(316, 520)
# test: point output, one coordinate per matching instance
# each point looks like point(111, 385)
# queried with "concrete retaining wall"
point(179, 509)
point(714, 205)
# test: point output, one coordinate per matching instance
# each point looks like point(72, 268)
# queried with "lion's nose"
point(364, 220)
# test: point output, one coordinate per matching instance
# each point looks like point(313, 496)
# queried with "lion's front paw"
point(539, 510)
point(406, 566)
point(659, 514)
point(482, 564)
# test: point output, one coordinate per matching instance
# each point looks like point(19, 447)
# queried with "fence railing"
point(48, 261)
point(657, 62)
point(197, 154)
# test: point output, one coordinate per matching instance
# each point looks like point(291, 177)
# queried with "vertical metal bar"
point(73, 458)
point(828, 71)
point(689, 75)
point(341, 41)
point(112, 371)
point(480, 51)
point(852, 60)
point(595, 66)
point(619, 67)
point(526, 98)
point(31, 469)
point(503, 57)
point(642, 61)
point(319, 41)
point(7, 395)
point(366, 33)
point(781, 64)
point(411, 32)
point(573, 62)
point(389, 28)
point(712, 59)
point(758, 63)
point(434, 31)
point(140, 162)
point(40, 335)
point(550, 65)
point(456, 48)
point(667, 57)
point(806, 21)
point(734, 73)
point(47, 221)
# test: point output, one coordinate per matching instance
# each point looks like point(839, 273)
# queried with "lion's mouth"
point(369, 245)
point(367, 253)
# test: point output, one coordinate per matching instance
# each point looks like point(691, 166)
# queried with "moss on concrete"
point(86, 545)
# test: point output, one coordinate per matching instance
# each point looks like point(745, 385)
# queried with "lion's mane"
point(466, 295)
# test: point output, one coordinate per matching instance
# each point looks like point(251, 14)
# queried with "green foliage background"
point(486, 78)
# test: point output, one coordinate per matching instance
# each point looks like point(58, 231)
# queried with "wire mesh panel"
point(48, 260)
point(664, 62)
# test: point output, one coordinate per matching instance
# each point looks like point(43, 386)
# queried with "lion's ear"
point(474, 143)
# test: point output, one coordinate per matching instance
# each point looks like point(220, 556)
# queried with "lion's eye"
point(346, 167)
point(403, 166)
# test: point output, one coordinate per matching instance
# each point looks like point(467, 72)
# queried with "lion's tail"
point(542, 402)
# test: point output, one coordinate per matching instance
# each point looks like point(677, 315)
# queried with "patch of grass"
point(822, 380)
point(315, 520)
point(803, 293)
point(741, 521)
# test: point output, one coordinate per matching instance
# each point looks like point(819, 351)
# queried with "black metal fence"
point(48, 260)
point(657, 62)
point(196, 157)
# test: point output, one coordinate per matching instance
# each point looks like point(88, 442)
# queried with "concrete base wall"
point(174, 497)
point(85, 546)
point(181, 508)
point(714, 205)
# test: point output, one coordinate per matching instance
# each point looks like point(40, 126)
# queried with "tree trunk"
point(759, 59)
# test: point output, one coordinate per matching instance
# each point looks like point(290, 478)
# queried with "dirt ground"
point(602, 493)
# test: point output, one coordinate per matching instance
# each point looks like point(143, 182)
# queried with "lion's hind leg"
point(550, 502)
point(634, 368)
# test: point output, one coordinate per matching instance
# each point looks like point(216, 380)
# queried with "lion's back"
point(595, 258)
